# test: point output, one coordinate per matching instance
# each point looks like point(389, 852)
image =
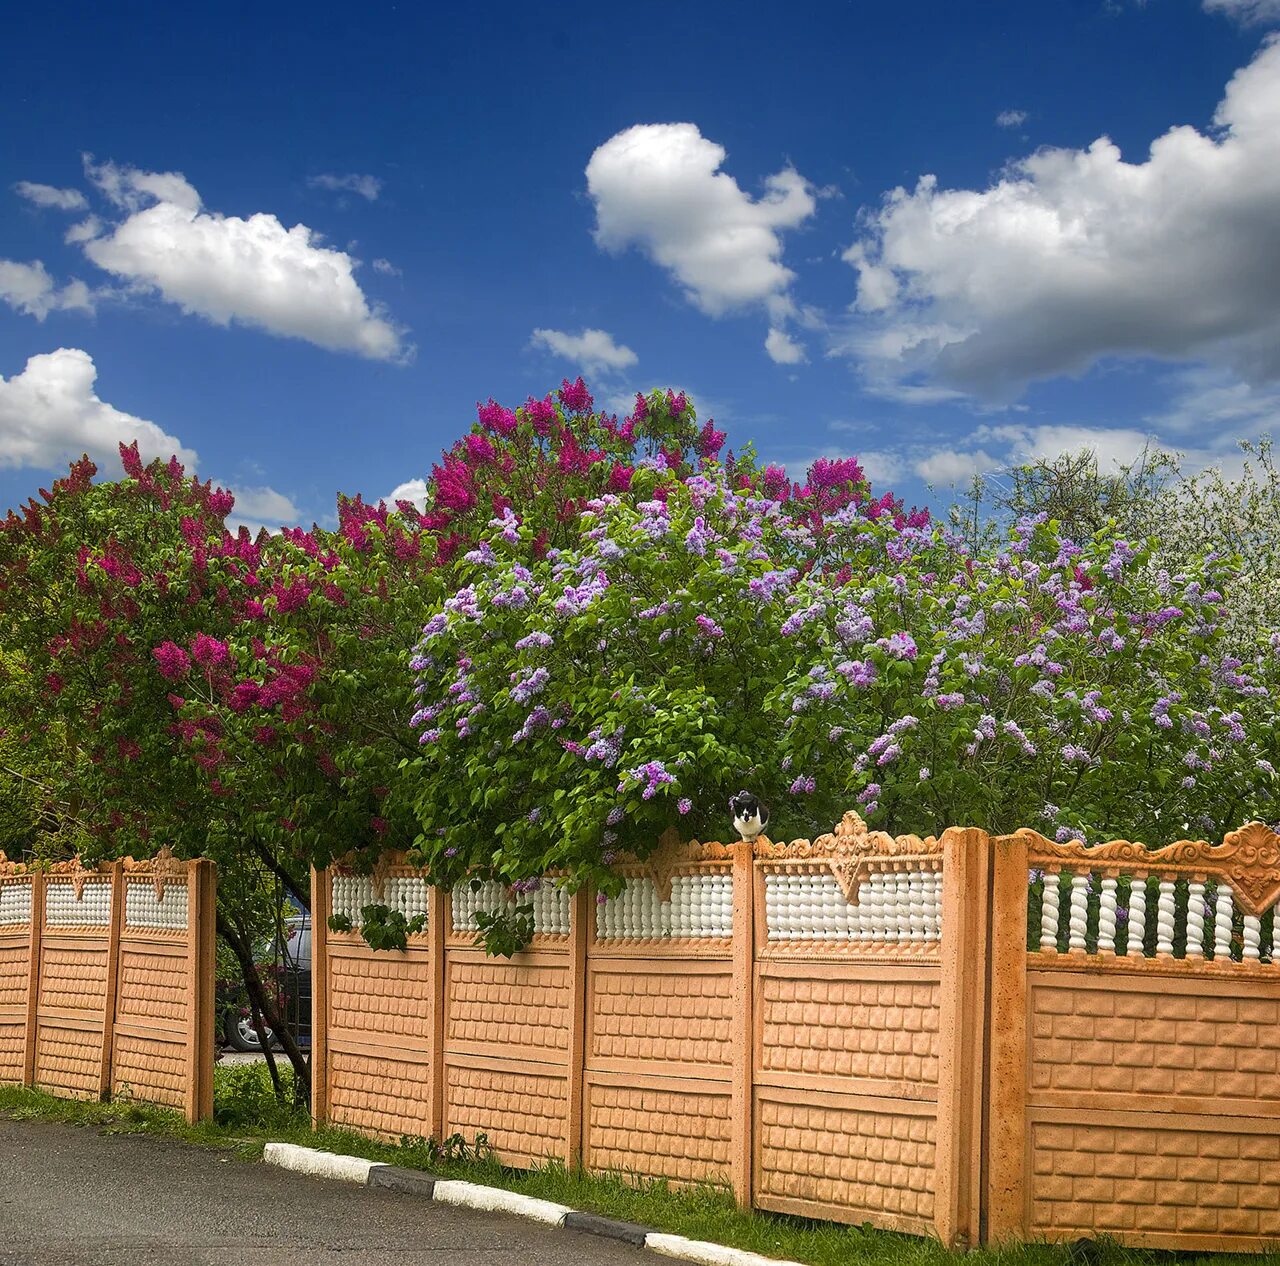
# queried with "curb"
point(470, 1195)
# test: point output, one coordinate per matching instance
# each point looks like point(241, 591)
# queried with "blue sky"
point(301, 244)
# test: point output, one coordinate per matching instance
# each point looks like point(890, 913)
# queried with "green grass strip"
point(247, 1115)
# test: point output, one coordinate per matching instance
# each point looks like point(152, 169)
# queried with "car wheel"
point(241, 1035)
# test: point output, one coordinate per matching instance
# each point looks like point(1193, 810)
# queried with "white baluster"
point(1078, 919)
point(879, 908)
point(1252, 935)
point(1049, 914)
point(902, 885)
point(890, 889)
point(1195, 919)
point(1137, 917)
point(916, 886)
point(933, 905)
point(1165, 918)
point(1107, 916)
point(1223, 911)
point(864, 912)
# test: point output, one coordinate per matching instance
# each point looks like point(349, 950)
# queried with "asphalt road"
point(73, 1197)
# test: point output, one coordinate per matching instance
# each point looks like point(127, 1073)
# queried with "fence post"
point(321, 908)
point(33, 979)
point(743, 1034)
point(201, 895)
point(438, 902)
point(581, 912)
point(961, 1055)
point(1007, 1075)
point(114, 928)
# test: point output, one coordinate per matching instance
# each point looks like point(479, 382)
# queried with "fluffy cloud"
point(262, 508)
point(386, 267)
point(49, 196)
point(253, 271)
point(28, 288)
point(782, 348)
point(366, 186)
point(414, 490)
point(1076, 255)
point(659, 187)
point(1011, 118)
point(1247, 12)
point(50, 414)
point(949, 467)
point(593, 351)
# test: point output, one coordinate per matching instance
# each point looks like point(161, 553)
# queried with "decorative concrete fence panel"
point(106, 980)
point(667, 1022)
point(1135, 1085)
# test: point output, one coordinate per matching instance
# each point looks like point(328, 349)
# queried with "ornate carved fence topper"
point(853, 848)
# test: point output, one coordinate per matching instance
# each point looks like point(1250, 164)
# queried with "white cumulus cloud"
point(1247, 12)
point(29, 289)
point(1011, 118)
point(948, 466)
point(224, 268)
point(782, 348)
point(1076, 255)
point(592, 351)
point(368, 187)
point(51, 196)
point(50, 414)
point(414, 490)
point(659, 187)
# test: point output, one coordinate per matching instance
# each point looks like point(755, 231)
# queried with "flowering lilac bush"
point(702, 638)
point(1067, 687)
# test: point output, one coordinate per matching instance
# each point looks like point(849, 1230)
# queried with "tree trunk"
point(263, 1005)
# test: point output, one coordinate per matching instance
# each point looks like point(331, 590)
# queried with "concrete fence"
point(106, 981)
point(974, 1038)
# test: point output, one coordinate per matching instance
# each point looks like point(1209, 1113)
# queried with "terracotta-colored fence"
point(849, 1028)
point(106, 980)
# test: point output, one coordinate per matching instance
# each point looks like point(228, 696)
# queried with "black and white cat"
point(750, 817)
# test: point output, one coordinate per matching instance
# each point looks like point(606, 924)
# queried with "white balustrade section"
point(406, 893)
point(468, 901)
point(550, 909)
point(61, 909)
point(902, 907)
point(15, 902)
point(143, 909)
point(549, 901)
point(1206, 925)
point(701, 905)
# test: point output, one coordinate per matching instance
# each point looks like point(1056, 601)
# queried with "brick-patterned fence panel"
point(1136, 1044)
point(863, 1065)
point(106, 981)
point(665, 1032)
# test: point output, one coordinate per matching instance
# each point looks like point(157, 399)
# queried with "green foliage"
point(505, 932)
point(384, 928)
